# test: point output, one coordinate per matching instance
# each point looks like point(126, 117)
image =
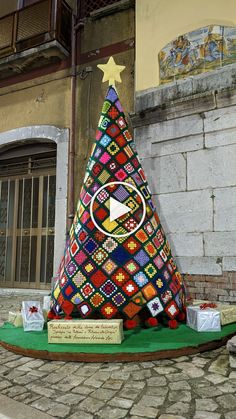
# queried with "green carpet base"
point(139, 344)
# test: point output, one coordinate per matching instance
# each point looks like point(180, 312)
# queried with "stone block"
point(225, 209)
point(220, 243)
point(231, 345)
point(143, 143)
point(226, 98)
point(220, 138)
point(175, 128)
point(186, 211)
point(220, 119)
point(155, 97)
point(166, 174)
point(190, 105)
point(192, 143)
point(232, 361)
point(229, 264)
point(199, 265)
point(221, 78)
point(211, 168)
point(186, 244)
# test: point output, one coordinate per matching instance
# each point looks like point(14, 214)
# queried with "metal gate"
point(27, 217)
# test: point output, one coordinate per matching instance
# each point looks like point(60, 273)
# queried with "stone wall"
point(186, 137)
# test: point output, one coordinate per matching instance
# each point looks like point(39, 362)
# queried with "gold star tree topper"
point(111, 71)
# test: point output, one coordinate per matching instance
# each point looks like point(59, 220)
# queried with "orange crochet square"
point(149, 291)
point(131, 310)
point(141, 235)
point(97, 300)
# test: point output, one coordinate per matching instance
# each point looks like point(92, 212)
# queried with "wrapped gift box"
point(227, 311)
point(32, 315)
point(15, 318)
point(199, 302)
point(206, 320)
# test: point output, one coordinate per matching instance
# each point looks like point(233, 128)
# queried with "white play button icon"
point(105, 220)
point(117, 209)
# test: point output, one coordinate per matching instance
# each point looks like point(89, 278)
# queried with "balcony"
point(37, 35)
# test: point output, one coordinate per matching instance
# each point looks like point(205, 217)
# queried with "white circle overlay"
point(129, 186)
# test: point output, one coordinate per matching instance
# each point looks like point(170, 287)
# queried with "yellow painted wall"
point(160, 21)
point(38, 102)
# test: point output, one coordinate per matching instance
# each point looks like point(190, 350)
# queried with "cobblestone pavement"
point(199, 386)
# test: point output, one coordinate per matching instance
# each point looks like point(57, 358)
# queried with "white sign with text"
point(85, 331)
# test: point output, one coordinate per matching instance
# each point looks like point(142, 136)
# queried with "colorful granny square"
point(100, 256)
point(109, 266)
point(130, 288)
point(84, 309)
point(108, 288)
point(139, 299)
point(110, 244)
point(79, 279)
point(119, 299)
point(141, 279)
point(172, 310)
point(109, 310)
point(120, 277)
point(87, 290)
point(96, 300)
point(77, 299)
point(90, 246)
point(98, 278)
point(131, 267)
point(155, 306)
point(131, 309)
point(131, 245)
point(142, 258)
point(149, 291)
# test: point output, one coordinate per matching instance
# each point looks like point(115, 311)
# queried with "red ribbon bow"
point(33, 309)
point(207, 305)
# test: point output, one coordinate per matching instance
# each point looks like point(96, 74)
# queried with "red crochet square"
point(130, 288)
point(98, 278)
point(108, 310)
point(120, 277)
point(121, 158)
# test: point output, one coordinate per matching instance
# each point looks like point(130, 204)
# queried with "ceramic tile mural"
point(196, 52)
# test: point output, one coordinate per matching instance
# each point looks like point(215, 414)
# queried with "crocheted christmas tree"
point(117, 260)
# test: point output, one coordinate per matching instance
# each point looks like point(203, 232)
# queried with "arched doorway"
point(27, 214)
point(33, 204)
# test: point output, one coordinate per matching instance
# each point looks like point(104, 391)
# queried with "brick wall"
point(214, 288)
point(186, 138)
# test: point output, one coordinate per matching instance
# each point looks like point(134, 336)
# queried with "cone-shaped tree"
point(117, 260)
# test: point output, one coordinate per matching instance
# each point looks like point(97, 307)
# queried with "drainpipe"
point(71, 189)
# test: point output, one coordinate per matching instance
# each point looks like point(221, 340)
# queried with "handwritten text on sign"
point(85, 331)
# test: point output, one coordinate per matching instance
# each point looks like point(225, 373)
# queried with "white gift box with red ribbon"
point(205, 319)
point(32, 315)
